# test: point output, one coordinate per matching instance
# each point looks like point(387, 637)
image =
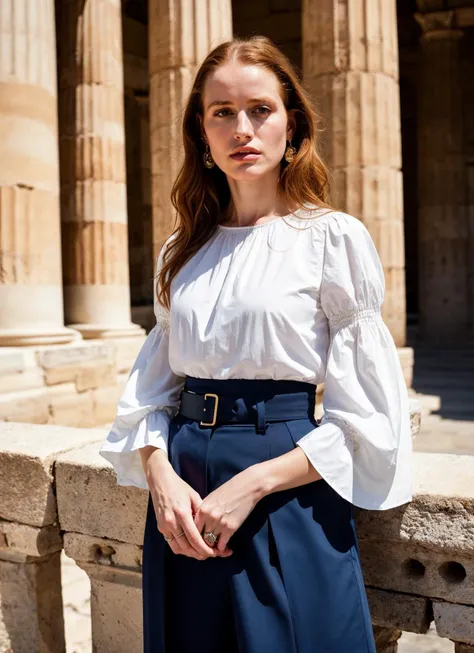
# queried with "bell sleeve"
point(362, 447)
point(148, 402)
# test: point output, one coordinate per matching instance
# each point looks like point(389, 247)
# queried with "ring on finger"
point(170, 539)
point(210, 538)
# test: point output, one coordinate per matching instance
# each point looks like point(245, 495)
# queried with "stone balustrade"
point(56, 491)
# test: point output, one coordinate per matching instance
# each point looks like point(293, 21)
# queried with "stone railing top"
point(28, 453)
point(440, 515)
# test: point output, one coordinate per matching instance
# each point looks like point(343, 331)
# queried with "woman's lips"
point(245, 156)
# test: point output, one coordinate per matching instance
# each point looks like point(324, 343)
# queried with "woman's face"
point(243, 108)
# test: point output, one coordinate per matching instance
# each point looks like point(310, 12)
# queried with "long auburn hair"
point(200, 195)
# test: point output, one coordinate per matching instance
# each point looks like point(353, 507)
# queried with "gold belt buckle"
point(210, 394)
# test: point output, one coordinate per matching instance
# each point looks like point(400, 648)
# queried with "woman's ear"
point(201, 128)
point(291, 126)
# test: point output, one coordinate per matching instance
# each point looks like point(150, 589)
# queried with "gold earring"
point(207, 158)
point(290, 152)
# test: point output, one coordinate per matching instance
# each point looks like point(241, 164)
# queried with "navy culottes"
point(294, 582)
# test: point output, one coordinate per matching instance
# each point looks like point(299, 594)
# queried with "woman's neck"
point(252, 203)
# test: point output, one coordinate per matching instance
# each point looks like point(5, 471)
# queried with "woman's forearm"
point(290, 470)
point(159, 457)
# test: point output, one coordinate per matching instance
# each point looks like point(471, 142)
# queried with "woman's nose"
point(243, 127)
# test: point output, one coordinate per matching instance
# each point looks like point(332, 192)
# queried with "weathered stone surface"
point(455, 622)
point(414, 569)
point(50, 358)
point(459, 647)
point(441, 515)
point(399, 611)
point(102, 551)
point(174, 55)
point(30, 259)
point(95, 376)
point(126, 352)
point(415, 417)
point(28, 540)
point(407, 359)
point(14, 360)
point(105, 400)
point(444, 240)
point(30, 406)
point(94, 193)
point(350, 65)
point(31, 609)
point(70, 407)
point(386, 639)
point(116, 609)
point(27, 456)
point(20, 381)
point(104, 508)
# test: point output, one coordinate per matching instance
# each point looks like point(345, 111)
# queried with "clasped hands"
point(184, 517)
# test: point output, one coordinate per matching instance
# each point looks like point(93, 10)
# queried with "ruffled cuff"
point(121, 446)
point(373, 484)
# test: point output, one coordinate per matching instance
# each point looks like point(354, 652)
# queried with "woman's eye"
point(262, 110)
point(222, 112)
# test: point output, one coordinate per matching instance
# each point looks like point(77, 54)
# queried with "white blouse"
point(285, 299)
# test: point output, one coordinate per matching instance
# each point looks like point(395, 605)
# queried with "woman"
point(263, 292)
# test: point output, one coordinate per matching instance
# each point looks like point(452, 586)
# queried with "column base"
point(30, 337)
point(102, 331)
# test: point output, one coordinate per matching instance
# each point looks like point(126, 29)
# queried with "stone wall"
point(72, 385)
point(56, 491)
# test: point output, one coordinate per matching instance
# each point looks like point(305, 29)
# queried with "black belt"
point(210, 409)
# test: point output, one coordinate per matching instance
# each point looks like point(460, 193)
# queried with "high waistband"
point(253, 401)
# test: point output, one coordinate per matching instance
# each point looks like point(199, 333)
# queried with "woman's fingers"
point(194, 538)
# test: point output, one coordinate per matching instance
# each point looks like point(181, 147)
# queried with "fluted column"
point(443, 225)
point(350, 63)
point(93, 185)
point(181, 34)
point(31, 302)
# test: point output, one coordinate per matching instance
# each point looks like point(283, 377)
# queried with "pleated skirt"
point(294, 582)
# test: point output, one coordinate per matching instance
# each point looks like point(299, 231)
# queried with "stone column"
point(92, 149)
point(181, 34)
point(444, 297)
point(31, 303)
point(350, 64)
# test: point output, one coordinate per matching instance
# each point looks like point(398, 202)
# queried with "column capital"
point(445, 24)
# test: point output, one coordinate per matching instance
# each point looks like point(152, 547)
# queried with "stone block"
point(415, 417)
point(27, 456)
point(386, 639)
point(92, 374)
point(55, 356)
point(71, 408)
point(407, 360)
point(441, 515)
point(127, 351)
point(28, 541)
point(95, 376)
point(31, 406)
point(19, 381)
point(411, 568)
point(106, 399)
point(116, 609)
point(91, 502)
point(395, 610)
point(455, 622)
point(459, 647)
point(15, 360)
point(102, 551)
point(31, 610)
